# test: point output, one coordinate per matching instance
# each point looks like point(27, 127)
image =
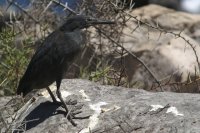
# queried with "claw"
point(71, 115)
point(71, 120)
point(72, 102)
point(78, 107)
point(81, 117)
point(76, 112)
point(72, 112)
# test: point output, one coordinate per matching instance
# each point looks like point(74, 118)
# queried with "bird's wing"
point(43, 49)
point(56, 46)
point(60, 43)
point(42, 57)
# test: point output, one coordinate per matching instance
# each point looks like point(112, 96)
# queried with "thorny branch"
point(134, 56)
point(19, 7)
point(178, 35)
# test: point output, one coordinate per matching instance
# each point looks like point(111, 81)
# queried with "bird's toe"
point(71, 102)
point(72, 115)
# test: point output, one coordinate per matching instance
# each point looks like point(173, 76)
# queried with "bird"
point(52, 59)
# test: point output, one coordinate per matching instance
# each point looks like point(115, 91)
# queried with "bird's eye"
point(89, 19)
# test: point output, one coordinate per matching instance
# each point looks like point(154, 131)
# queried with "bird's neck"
point(77, 35)
point(69, 28)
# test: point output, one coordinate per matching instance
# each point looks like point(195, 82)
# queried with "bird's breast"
point(77, 37)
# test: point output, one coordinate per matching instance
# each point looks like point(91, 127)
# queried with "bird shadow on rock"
point(39, 114)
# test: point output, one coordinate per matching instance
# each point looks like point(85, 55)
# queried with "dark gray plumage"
point(53, 58)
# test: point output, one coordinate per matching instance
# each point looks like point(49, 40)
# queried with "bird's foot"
point(72, 115)
point(69, 102)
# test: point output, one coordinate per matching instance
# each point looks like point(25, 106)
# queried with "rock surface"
point(112, 110)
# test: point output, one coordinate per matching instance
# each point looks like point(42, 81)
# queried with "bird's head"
point(80, 22)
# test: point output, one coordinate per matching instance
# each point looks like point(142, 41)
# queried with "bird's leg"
point(52, 96)
point(69, 117)
point(58, 82)
point(70, 102)
point(70, 114)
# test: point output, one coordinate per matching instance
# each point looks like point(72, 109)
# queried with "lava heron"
point(56, 54)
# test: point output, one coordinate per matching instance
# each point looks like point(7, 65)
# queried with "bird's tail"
point(23, 89)
point(19, 90)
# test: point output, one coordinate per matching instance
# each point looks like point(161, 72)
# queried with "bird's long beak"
point(98, 21)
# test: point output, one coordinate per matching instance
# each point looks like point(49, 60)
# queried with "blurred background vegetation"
point(13, 61)
point(23, 26)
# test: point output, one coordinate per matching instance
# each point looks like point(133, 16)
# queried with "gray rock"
point(112, 110)
point(170, 58)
